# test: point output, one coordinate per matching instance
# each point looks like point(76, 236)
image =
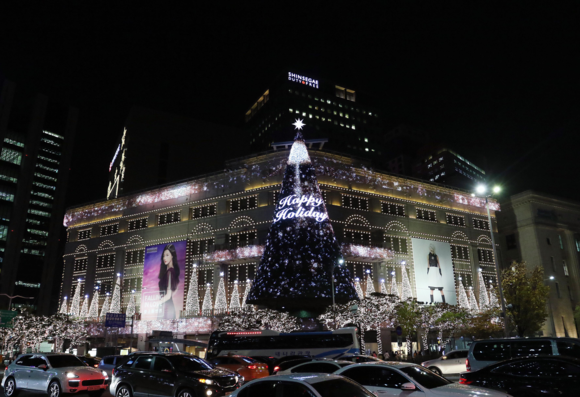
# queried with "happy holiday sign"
point(300, 207)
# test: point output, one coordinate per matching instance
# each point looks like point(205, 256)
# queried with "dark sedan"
point(172, 375)
point(529, 376)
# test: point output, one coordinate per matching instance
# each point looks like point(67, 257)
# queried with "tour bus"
point(276, 344)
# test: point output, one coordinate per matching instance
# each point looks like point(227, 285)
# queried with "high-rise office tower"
point(338, 113)
point(36, 140)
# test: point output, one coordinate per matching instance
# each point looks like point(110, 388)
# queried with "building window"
point(136, 224)
point(392, 209)
point(109, 229)
point(106, 261)
point(460, 252)
point(166, 219)
point(426, 215)
point(354, 202)
point(134, 257)
point(200, 247)
point(565, 267)
point(244, 203)
point(204, 211)
point(456, 220)
point(558, 290)
point(11, 156)
point(561, 242)
point(396, 244)
point(84, 234)
point(80, 265)
point(510, 241)
point(485, 255)
point(350, 95)
point(357, 237)
point(480, 224)
point(242, 239)
point(340, 92)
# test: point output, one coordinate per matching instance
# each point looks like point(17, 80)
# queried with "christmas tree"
point(301, 249)
point(221, 302)
point(462, 296)
point(207, 302)
point(94, 309)
point(483, 298)
point(235, 299)
point(192, 303)
point(472, 302)
point(246, 292)
point(370, 287)
point(383, 287)
point(85, 307)
point(116, 300)
point(75, 308)
point(105, 308)
point(406, 292)
point(493, 302)
point(358, 289)
point(394, 286)
point(64, 306)
point(130, 312)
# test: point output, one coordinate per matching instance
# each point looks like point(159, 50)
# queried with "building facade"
point(343, 116)
point(544, 230)
point(223, 221)
point(36, 141)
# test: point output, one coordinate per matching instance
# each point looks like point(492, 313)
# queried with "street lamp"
point(15, 296)
point(481, 190)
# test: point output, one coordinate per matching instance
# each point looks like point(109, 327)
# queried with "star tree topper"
point(299, 124)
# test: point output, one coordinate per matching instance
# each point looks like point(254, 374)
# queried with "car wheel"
point(123, 391)
point(436, 370)
point(10, 388)
point(54, 389)
point(186, 393)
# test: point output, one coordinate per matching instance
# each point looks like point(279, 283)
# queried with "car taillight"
point(265, 366)
point(113, 372)
point(96, 365)
point(464, 381)
point(467, 366)
point(252, 367)
point(276, 369)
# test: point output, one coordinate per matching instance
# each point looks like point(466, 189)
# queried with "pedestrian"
point(374, 354)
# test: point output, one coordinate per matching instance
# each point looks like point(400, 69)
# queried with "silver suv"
point(54, 374)
point(451, 363)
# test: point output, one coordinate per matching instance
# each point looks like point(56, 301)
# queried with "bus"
point(276, 344)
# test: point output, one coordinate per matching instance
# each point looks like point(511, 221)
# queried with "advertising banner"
point(434, 277)
point(163, 281)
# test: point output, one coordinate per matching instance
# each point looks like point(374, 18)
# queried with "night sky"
point(496, 81)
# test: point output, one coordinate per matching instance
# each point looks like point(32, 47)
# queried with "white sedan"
point(410, 380)
point(303, 385)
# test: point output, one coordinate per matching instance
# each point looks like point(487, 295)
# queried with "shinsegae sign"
point(300, 207)
point(302, 80)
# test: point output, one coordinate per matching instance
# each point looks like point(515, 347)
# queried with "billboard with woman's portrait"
point(434, 277)
point(163, 281)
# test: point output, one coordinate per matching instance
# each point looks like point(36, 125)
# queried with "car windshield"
point(340, 388)
point(183, 363)
point(248, 360)
point(65, 361)
point(425, 377)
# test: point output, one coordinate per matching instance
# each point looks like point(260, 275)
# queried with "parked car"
point(397, 379)
point(280, 361)
point(107, 363)
point(266, 360)
point(358, 358)
point(172, 374)
point(485, 352)
point(323, 366)
point(529, 376)
point(290, 363)
point(90, 361)
point(451, 363)
point(306, 385)
point(248, 367)
point(53, 373)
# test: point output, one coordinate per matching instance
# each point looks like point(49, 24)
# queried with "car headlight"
point(106, 375)
point(236, 378)
point(206, 381)
point(71, 375)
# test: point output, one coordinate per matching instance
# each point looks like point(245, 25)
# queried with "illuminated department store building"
point(220, 213)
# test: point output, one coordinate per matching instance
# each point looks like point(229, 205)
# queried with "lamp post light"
point(481, 191)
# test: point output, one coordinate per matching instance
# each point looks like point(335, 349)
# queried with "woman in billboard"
point(434, 273)
point(168, 282)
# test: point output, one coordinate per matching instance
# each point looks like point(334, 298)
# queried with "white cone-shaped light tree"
point(246, 292)
point(85, 308)
point(105, 308)
point(383, 287)
point(192, 303)
point(370, 287)
point(394, 286)
point(483, 298)
point(235, 299)
point(221, 301)
point(116, 299)
point(94, 308)
point(493, 302)
point(75, 308)
point(130, 312)
point(406, 291)
point(358, 289)
point(64, 306)
point(473, 302)
point(462, 296)
point(207, 302)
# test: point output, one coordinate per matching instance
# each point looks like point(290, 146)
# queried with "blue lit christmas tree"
point(301, 249)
